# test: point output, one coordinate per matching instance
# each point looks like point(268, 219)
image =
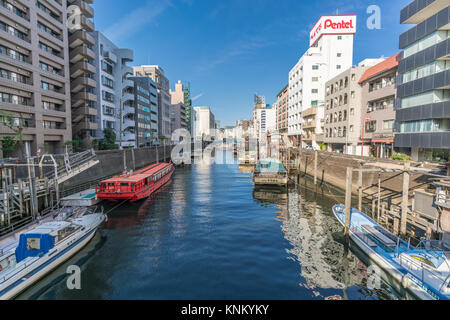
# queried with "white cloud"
point(197, 97)
point(136, 20)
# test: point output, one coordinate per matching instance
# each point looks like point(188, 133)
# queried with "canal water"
point(210, 234)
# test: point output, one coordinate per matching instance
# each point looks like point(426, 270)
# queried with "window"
point(388, 124)
point(314, 103)
point(339, 54)
point(45, 85)
point(371, 126)
point(315, 91)
point(339, 37)
point(315, 67)
point(107, 82)
point(338, 67)
point(107, 67)
point(33, 244)
point(315, 79)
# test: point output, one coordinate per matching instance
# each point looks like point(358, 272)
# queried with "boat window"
point(33, 244)
point(124, 184)
point(67, 231)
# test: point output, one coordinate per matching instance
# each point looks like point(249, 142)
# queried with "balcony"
point(80, 68)
point(309, 125)
point(79, 38)
point(15, 11)
point(82, 97)
point(311, 137)
point(80, 53)
point(85, 125)
point(79, 113)
point(82, 82)
point(128, 98)
point(86, 9)
point(418, 10)
point(87, 24)
point(309, 112)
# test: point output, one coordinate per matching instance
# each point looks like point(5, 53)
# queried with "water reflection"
point(328, 268)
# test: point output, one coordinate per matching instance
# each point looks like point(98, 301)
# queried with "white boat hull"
point(17, 289)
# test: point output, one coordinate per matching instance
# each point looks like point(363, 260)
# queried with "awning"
point(387, 141)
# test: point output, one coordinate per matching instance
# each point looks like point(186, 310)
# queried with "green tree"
point(75, 144)
point(8, 145)
point(108, 142)
point(9, 120)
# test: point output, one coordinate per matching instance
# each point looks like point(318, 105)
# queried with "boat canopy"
point(34, 245)
point(270, 165)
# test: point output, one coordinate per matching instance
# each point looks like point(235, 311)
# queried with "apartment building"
point(378, 99)
point(423, 104)
point(264, 119)
point(156, 73)
point(344, 110)
point(146, 111)
point(178, 108)
point(188, 105)
point(34, 76)
point(82, 74)
point(330, 52)
point(115, 91)
point(204, 123)
point(141, 119)
point(281, 106)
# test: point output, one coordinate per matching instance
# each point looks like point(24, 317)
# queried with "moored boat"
point(270, 172)
point(423, 270)
point(137, 185)
point(43, 248)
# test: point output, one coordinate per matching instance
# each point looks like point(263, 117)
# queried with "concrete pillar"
point(405, 198)
point(348, 199)
point(316, 159)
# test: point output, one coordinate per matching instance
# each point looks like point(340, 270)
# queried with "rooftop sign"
point(332, 25)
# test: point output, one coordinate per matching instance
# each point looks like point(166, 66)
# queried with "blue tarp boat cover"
point(270, 166)
point(34, 245)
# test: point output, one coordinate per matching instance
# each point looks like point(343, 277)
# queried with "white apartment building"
point(204, 122)
point(264, 119)
point(330, 53)
point(114, 88)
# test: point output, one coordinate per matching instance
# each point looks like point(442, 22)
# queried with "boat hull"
point(139, 195)
point(29, 276)
point(389, 268)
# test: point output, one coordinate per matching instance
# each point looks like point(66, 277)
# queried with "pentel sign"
point(338, 24)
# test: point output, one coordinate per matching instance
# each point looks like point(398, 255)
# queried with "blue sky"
point(231, 49)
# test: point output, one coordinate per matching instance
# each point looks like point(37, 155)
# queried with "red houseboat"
point(137, 185)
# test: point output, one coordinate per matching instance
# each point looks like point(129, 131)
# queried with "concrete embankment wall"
point(112, 163)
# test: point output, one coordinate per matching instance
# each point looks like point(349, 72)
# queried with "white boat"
point(43, 248)
point(423, 270)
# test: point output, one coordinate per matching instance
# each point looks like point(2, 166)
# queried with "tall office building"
point(178, 109)
point(114, 89)
point(423, 94)
point(82, 73)
point(34, 75)
point(330, 53)
point(156, 73)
